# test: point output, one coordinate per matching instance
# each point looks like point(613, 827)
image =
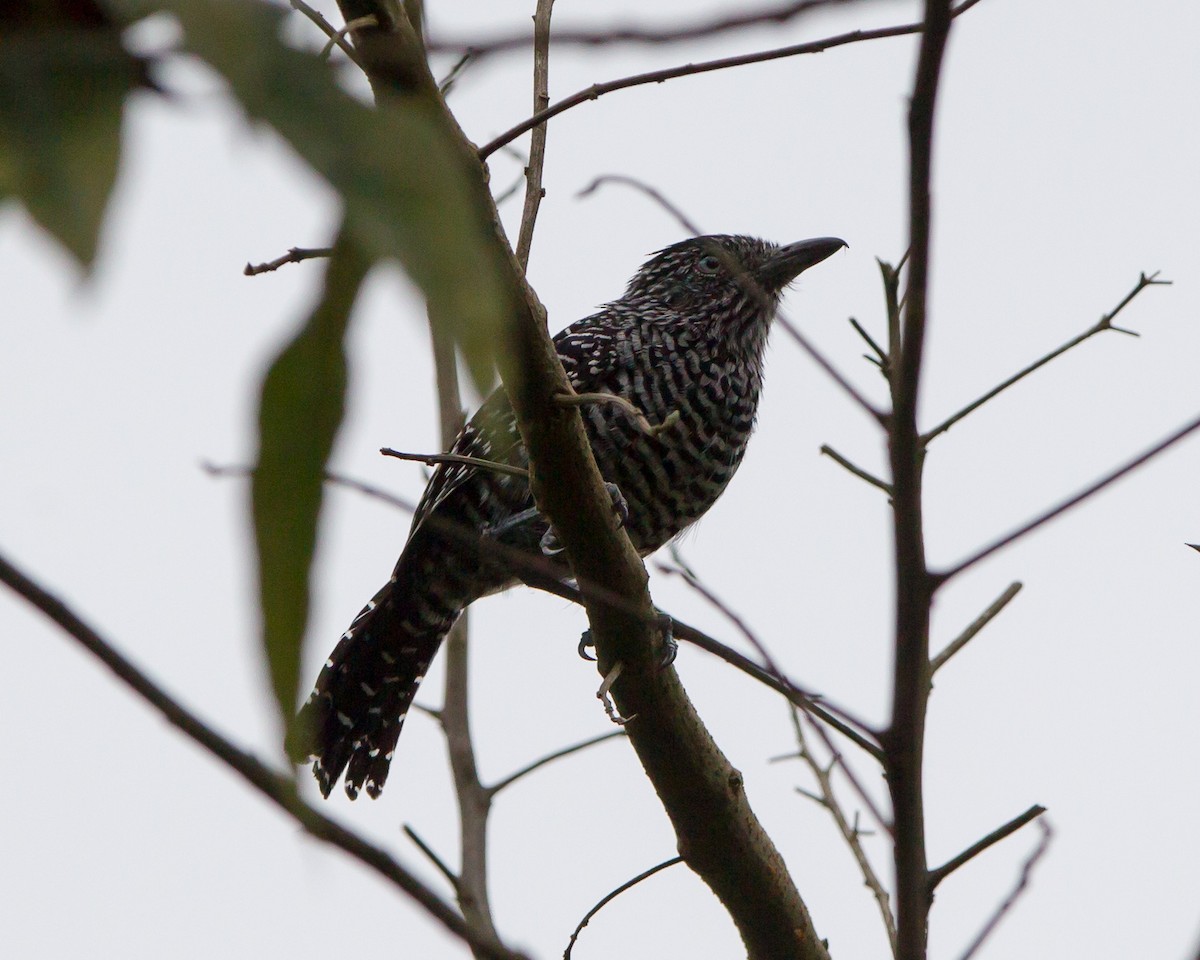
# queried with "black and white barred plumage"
point(686, 338)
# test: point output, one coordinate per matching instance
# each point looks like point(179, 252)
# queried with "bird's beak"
point(789, 262)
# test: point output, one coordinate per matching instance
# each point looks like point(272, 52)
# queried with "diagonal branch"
point(597, 90)
point(1104, 323)
point(975, 849)
point(550, 758)
point(597, 38)
point(975, 626)
point(280, 790)
point(1021, 885)
point(607, 898)
point(1085, 494)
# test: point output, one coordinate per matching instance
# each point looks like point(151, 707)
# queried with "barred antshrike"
point(685, 346)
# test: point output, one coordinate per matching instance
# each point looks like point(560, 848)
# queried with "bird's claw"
point(670, 647)
point(619, 503)
point(585, 641)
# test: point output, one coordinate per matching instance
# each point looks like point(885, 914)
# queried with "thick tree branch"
point(904, 740)
point(280, 790)
point(717, 833)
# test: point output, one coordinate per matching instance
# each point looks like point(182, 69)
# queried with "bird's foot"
point(602, 695)
point(664, 623)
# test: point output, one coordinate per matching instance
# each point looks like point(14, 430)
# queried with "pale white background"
point(1067, 162)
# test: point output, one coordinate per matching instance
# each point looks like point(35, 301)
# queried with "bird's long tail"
point(352, 719)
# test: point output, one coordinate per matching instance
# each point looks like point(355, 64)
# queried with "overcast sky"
point(1068, 161)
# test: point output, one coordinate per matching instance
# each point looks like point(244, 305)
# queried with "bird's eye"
point(709, 264)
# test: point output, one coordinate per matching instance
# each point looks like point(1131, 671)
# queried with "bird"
point(684, 345)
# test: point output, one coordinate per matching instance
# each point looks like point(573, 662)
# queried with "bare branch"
point(881, 358)
point(335, 36)
point(613, 35)
point(294, 255)
point(1104, 323)
point(537, 147)
point(657, 196)
point(856, 470)
point(432, 458)
point(597, 90)
point(550, 758)
point(975, 849)
point(1022, 883)
point(582, 399)
point(975, 626)
point(904, 740)
point(446, 84)
point(1088, 492)
point(611, 896)
point(769, 674)
point(850, 833)
point(442, 867)
point(279, 789)
point(811, 703)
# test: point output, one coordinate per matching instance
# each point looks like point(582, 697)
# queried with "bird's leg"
point(550, 544)
point(602, 695)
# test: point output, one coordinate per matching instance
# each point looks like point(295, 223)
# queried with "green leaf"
point(300, 411)
point(411, 191)
point(62, 89)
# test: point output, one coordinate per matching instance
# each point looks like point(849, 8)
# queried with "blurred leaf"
point(62, 89)
point(300, 411)
point(411, 192)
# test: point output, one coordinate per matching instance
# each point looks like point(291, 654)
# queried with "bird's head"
point(730, 280)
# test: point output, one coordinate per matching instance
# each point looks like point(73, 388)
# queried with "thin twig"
point(611, 896)
point(339, 40)
point(327, 28)
point(820, 707)
point(856, 470)
point(850, 832)
point(441, 865)
point(881, 358)
point(975, 849)
point(768, 673)
point(294, 255)
point(582, 399)
point(457, 458)
point(597, 90)
point(597, 38)
point(1104, 323)
point(279, 789)
point(654, 194)
point(446, 84)
point(549, 758)
point(534, 191)
point(1022, 883)
point(1190, 427)
point(852, 778)
point(975, 626)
